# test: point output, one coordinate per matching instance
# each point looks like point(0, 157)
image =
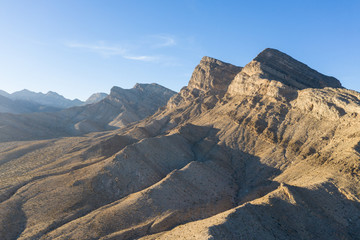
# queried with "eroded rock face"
point(213, 75)
point(208, 83)
point(274, 65)
point(263, 157)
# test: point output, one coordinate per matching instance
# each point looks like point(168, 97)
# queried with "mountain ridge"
point(238, 155)
point(50, 98)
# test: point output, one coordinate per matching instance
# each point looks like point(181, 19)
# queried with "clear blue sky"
point(80, 47)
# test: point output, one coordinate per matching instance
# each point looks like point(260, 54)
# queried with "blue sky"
point(80, 47)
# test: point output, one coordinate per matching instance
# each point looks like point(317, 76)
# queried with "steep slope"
point(121, 107)
point(237, 154)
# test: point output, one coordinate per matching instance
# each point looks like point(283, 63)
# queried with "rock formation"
point(268, 151)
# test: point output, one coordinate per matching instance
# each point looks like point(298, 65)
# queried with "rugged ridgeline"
point(50, 98)
point(27, 101)
point(268, 151)
point(121, 107)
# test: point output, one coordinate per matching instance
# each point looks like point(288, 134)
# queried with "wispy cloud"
point(99, 48)
point(134, 51)
point(164, 41)
point(142, 58)
point(107, 50)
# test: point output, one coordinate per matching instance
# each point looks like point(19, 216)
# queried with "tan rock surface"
point(239, 155)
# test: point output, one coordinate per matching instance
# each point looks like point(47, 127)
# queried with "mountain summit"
point(275, 65)
point(213, 75)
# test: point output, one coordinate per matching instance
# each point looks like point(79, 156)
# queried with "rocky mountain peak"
point(275, 65)
point(143, 89)
point(213, 75)
point(51, 93)
point(149, 87)
point(96, 97)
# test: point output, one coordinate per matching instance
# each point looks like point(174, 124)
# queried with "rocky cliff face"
point(212, 75)
point(247, 154)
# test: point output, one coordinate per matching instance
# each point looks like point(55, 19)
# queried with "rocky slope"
point(268, 151)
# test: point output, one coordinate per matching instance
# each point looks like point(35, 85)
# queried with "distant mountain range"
point(121, 107)
point(8, 105)
point(26, 101)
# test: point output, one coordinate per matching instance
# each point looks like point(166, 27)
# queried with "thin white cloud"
point(164, 41)
point(142, 58)
point(107, 50)
point(100, 48)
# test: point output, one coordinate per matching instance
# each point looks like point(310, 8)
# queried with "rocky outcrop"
point(260, 158)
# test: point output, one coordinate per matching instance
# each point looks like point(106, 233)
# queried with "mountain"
point(26, 101)
point(121, 107)
point(4, 94)
point(7, 105)
point(96, 97)
point(267, 151)
point(22, 106)
point(52, 99)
